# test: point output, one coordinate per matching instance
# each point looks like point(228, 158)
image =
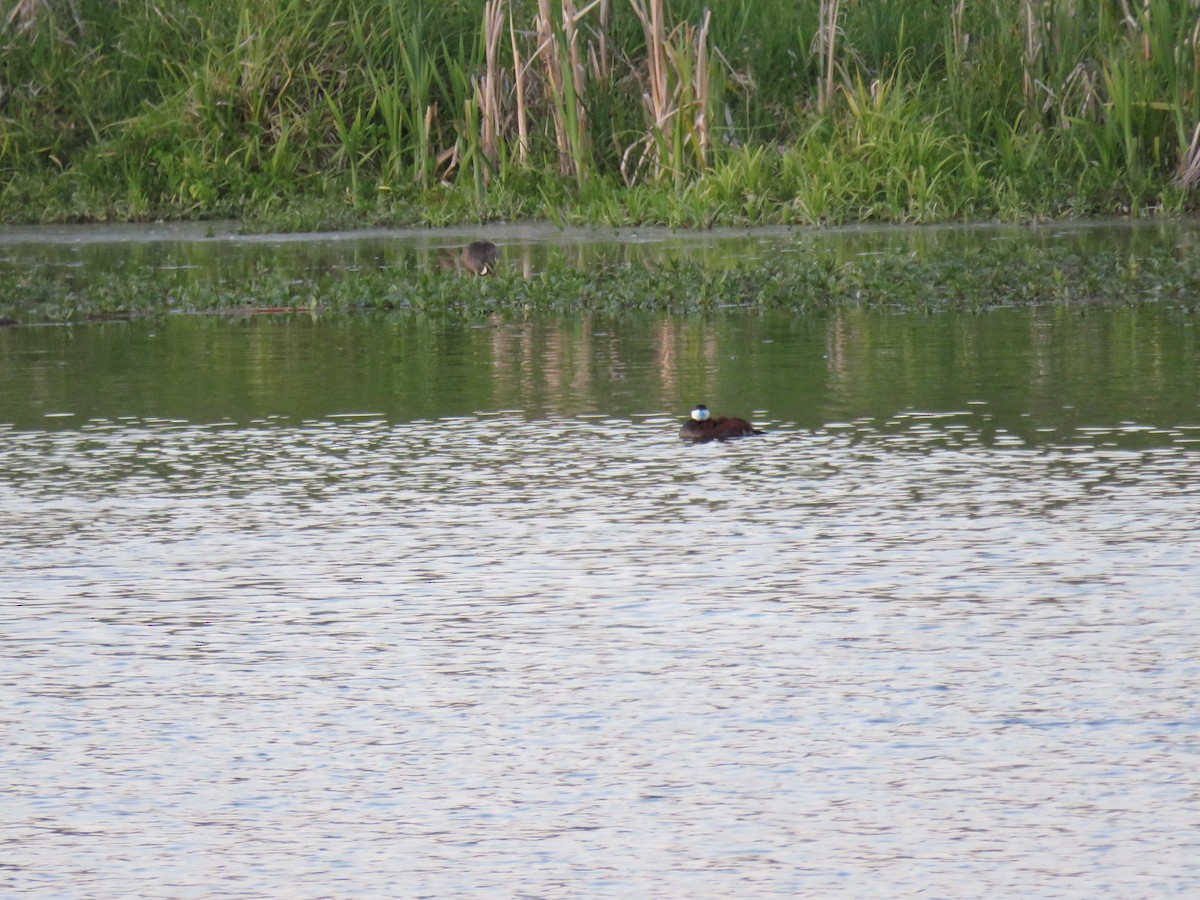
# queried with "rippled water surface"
point(409, 608)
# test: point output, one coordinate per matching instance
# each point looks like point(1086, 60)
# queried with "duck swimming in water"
point(480, 257)
point(703, 427)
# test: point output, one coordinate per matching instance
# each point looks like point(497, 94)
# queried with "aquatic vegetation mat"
point(999, 273)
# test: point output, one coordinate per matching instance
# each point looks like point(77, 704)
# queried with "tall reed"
point(558, 50)
point(677, 99)
point(827, 51)
point(657, 109)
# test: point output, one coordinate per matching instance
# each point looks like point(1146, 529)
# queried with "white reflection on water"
point(574, 657)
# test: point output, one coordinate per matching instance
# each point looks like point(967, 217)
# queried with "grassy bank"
point(347, 112)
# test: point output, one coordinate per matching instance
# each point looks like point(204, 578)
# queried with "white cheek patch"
point(700, 415)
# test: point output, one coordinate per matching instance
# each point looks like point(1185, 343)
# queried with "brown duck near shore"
point(480, 257)
point(703, 427)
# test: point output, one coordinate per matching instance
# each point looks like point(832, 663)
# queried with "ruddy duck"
point(480, 257)
point(703, 427)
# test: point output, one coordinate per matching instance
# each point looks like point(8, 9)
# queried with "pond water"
point(412, 606)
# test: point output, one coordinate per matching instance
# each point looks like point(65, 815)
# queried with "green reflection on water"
point(1035, 373)
point(1038, 372)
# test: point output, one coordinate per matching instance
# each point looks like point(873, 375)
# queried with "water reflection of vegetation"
point(1036, 374)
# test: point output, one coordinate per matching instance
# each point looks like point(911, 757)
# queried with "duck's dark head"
point(701, 413)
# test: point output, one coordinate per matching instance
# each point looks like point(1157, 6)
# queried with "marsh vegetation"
point(588, 271)
point(347, 112)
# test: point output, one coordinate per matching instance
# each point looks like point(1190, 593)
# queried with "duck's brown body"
point(480, 257)
point(701, 427)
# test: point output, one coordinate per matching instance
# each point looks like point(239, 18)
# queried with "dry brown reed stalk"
point(558, 47)
point(1031, 62)
point(544, 32)
point(676, 96)
point(703, 79)
point(552, 64)
point(571, 37)
point(579, 131)
point(488, 88)
point(1082, 93)
point(958, 38)
point(24, 15)
point(1138, 24)
point(599, 56)
point(1188, 174)
point(656, 97)
point(1146, 30)
point(446, 162)
point(423, 171)
point(827, 36)
point(519, 73)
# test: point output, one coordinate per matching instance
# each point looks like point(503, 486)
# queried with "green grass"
point(293, 115)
